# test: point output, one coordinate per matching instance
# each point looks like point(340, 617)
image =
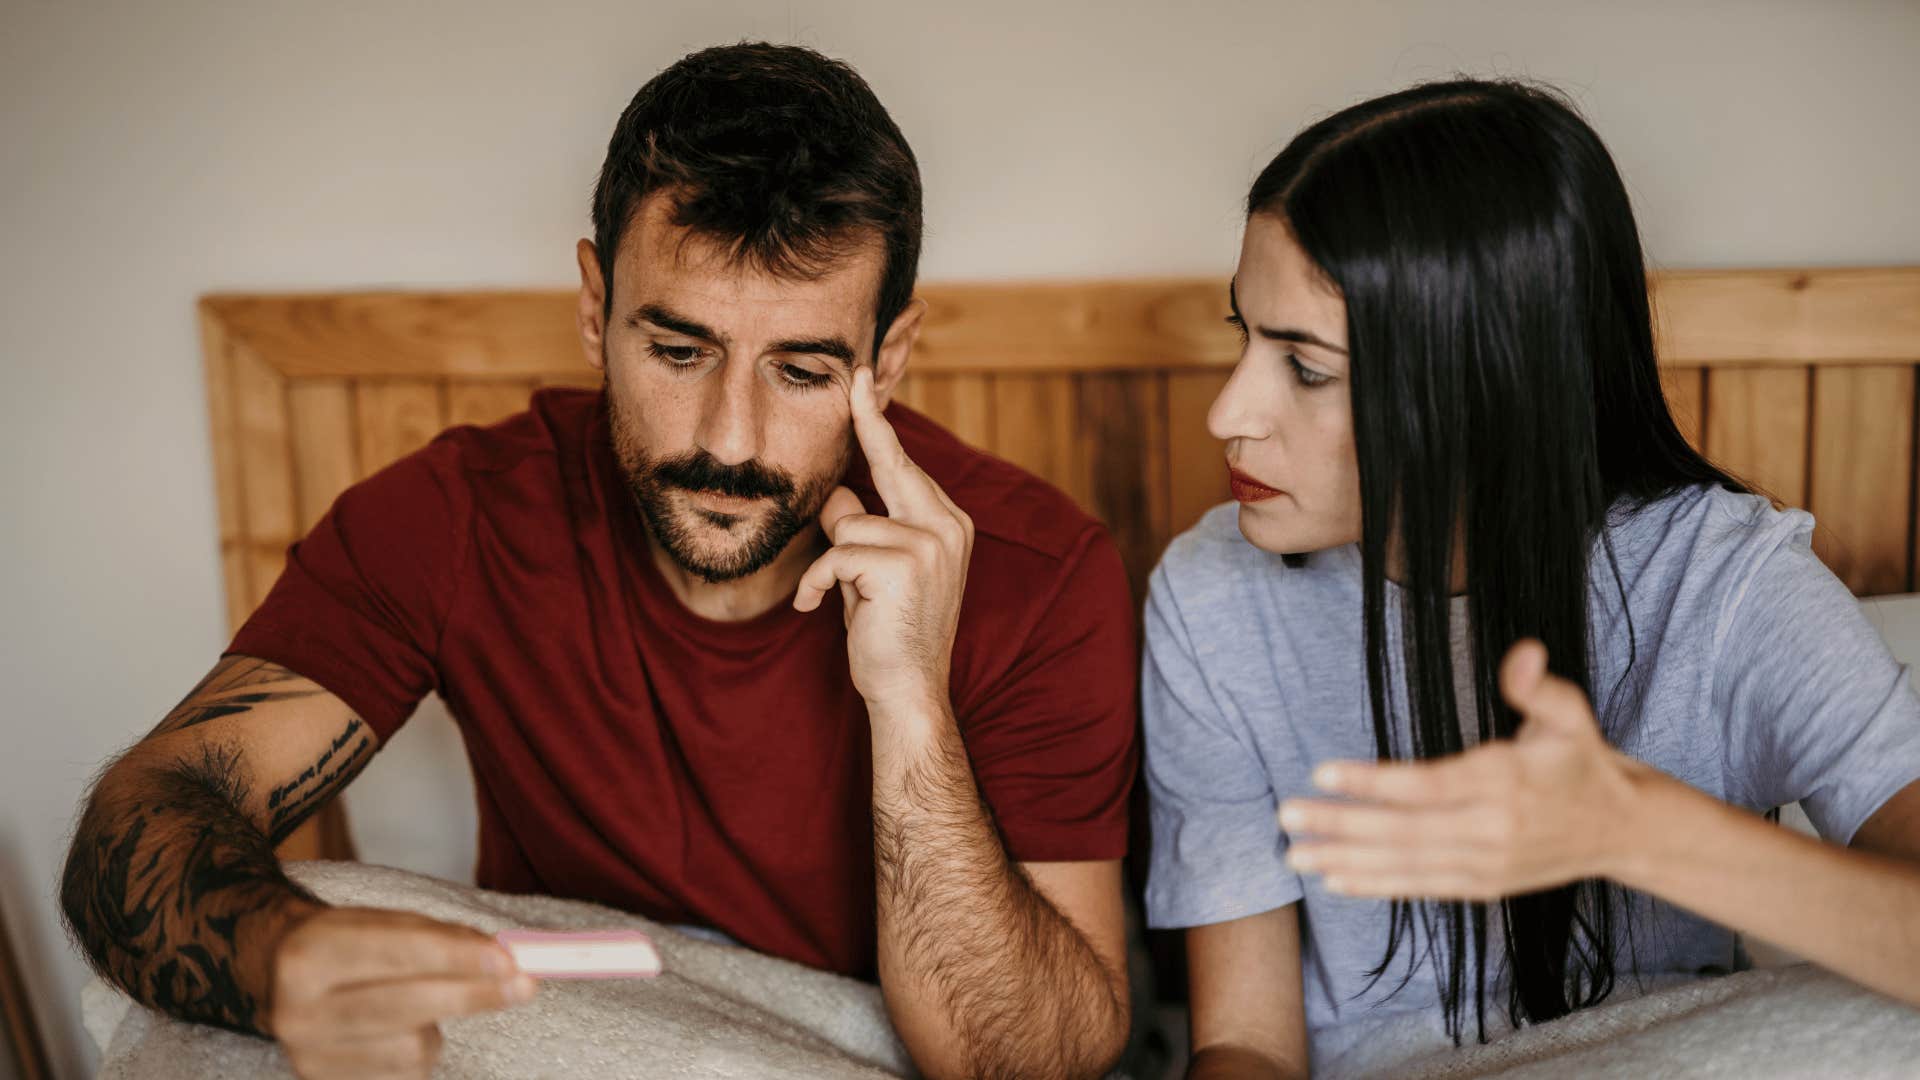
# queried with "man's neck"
point(742, 598)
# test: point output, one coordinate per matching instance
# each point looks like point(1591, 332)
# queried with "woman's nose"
point(1243, 408)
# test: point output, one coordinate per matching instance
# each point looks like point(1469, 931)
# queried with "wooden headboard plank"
point(1196, 473)
point(1686, 391)
point(1791, 317)
point(1705, 317)
point(1757, 427)
point(1861, 487)
point(396, 417)
point(325, 461)
point(498, 334)
point(267, 476)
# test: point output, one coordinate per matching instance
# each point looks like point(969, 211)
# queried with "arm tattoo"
point(235, 685)
point(1019, 984)
point(169, 881)
point(294, 801)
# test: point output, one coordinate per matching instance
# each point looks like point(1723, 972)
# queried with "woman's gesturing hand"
point(1515, 816)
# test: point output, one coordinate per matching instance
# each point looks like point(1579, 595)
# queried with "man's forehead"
point(660, 262)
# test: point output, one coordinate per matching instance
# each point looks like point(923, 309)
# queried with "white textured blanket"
point(725, 1012)
point(1787, 1022)
point(717, 1010)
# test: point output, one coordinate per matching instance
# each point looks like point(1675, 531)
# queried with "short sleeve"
point(1815, 707)
point(361, 603)
point(1218, 851)
point(1054, 745)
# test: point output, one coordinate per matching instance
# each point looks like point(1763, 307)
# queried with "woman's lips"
point(1248, 490)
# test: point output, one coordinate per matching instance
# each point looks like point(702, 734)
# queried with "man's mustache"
point(701, 471)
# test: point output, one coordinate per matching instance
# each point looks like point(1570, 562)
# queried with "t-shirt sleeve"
point(1218, 852)
point(1816, 708)
point(1054, 746)
point(361, 603)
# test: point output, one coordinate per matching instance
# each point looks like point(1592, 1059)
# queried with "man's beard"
point(654, 481)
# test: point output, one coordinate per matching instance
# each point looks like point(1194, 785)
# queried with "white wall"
point(151, 152)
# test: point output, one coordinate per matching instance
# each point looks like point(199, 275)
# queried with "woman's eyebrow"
point(1288, 333)
point(1280, 333)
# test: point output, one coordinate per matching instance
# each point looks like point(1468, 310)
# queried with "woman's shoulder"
point(1706, 532)
point(1226, 597)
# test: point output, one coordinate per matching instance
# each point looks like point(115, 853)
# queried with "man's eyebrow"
point(834, 347)
point(667, 320)
point(1281, 333)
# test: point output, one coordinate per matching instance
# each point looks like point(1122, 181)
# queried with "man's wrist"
point(909, 728)
point(910, 702)
point(260, 937)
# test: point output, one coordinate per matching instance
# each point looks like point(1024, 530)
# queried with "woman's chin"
point(1281, 531)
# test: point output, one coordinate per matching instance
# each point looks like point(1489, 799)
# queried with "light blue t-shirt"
point(1761, 683)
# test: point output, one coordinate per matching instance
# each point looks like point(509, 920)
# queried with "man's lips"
point(722, 503)
point(1248, 490)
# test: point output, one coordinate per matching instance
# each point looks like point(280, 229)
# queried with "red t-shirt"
point(628, 751)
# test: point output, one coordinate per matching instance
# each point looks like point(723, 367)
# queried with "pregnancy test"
point(590, 954)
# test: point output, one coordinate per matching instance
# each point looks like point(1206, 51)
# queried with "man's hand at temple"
point(901, 575)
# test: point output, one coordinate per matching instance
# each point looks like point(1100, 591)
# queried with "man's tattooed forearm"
point(235, 685)
point(156, 888)
point(173, 863)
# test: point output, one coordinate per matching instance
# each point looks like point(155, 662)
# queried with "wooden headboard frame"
point(1800, 381)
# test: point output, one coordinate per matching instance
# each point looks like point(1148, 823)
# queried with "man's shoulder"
point(474, 457)
point(1011, 508)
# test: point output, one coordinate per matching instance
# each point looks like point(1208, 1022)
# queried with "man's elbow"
point(1077, 1047)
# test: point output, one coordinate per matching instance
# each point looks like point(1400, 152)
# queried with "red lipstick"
point(1248, 490)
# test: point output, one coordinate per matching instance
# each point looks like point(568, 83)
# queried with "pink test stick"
point(589, 954)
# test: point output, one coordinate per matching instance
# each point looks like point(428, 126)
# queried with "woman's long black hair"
point(1505, 394)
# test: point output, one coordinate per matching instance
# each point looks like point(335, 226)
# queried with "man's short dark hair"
point(780, 154)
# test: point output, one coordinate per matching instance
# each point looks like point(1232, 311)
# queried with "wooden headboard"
point(1799, 381)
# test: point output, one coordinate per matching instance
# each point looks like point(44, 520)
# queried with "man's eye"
point(801, 377)
point(677, 355)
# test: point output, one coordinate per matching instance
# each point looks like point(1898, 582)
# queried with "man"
point(732, 644)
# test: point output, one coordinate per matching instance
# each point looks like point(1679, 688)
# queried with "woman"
point(1563, 663)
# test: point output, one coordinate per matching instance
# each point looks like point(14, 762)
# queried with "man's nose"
point(730, 419)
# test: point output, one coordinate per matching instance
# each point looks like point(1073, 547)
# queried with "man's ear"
point(592, 317)
point(896, 349)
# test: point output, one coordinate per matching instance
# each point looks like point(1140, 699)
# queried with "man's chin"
point(718, 547)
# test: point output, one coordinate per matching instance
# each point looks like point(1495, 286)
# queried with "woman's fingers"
point(1405, 886)
point(1391, 825)
point(1446, 780)
point(1539, 695)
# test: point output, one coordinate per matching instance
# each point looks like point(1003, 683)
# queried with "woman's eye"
point(1307, 376)
point(676, 355)
point(801, 377)
point(1240, 326)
